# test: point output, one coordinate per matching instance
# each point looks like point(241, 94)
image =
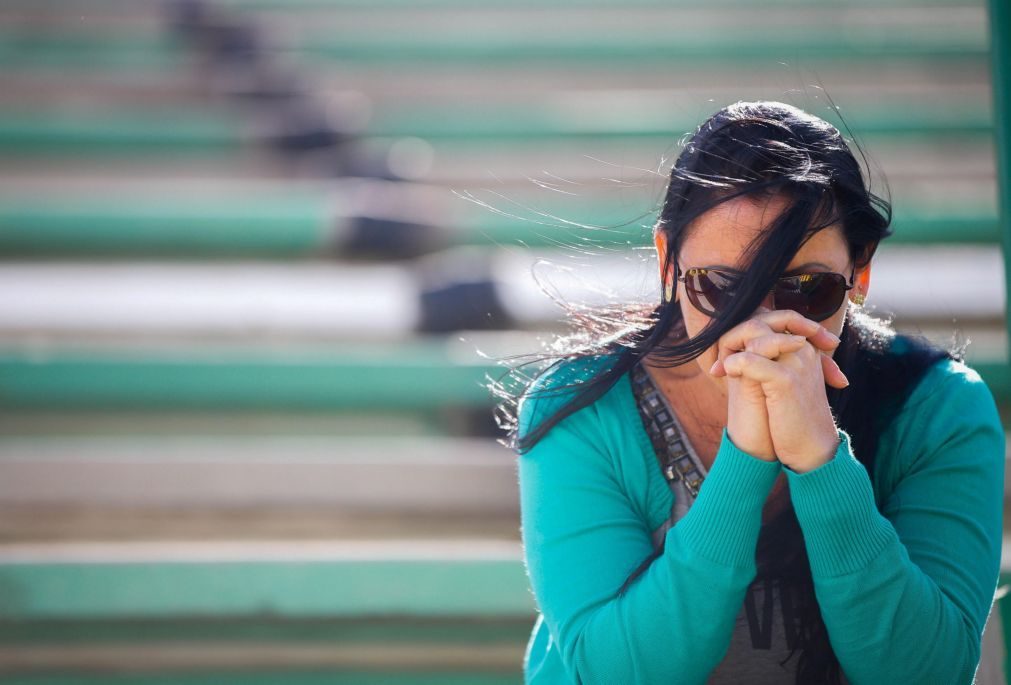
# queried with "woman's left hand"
point(801, 425)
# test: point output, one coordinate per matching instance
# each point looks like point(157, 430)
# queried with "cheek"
point(695, 321)
point(835, 322)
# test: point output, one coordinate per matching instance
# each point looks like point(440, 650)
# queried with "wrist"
point(822, 454)
point(764, 452)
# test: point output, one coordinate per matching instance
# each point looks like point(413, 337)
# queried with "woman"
point(756, 482)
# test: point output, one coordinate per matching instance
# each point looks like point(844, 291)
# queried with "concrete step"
point(437, 477)
point(345, 301)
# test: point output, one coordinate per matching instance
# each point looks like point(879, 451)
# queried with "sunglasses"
point(815, 296)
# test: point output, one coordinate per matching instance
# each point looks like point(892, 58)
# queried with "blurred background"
point(260, 259)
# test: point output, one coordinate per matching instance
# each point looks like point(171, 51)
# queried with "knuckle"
point(738, 365)
point(730, 365)
point(807, 351)
point(754, 327)
point(796, 322)
point(800, 347)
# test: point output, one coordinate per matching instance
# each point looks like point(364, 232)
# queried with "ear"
point(862, 282)
point(660, 241)
point(862, 277)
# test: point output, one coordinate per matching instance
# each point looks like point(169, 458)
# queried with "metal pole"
point(1000, 51)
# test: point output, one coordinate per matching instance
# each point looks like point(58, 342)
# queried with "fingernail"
point(833, 336)
point(712, 370)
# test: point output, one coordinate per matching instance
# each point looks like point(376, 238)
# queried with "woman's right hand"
point(769, 333)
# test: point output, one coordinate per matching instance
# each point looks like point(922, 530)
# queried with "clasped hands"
point(777, 365)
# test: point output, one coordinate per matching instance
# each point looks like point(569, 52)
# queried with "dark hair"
point(759, 150)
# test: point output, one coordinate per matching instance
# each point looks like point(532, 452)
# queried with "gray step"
point(408, 475)
point(263, 299)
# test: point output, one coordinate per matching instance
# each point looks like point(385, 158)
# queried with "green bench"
point(380, 5)
point(353, 377)
point(346, 377)
point(293, 223)
point(264, 613)
point(296, 580)
point(200, 133)
point(88, 48)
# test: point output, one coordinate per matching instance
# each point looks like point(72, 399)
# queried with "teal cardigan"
point(904, 565)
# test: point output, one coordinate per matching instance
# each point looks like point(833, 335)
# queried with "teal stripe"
point(271, 677)
point(813, 43)
point(632, 122)
point(84, 50)
point(1000, 29)
point(809, 46)
point(597, 224)
point(175, 133)
point(298, 224)
point(381, 376)
point(188, 132)
point(417, 377)
point(276, 589)
point(475, 630)
point(303, 225)
point(296, 5)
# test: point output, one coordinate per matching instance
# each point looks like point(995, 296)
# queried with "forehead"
point(720, 236)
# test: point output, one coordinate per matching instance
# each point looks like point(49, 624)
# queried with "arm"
point(582, 539)
point(905, 595)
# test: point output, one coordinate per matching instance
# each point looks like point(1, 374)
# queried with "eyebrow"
point(800, 269)
point(794, 270)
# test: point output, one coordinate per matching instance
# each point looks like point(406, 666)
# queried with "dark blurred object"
point(239, 60)
point(458, 292)
point(386, 238)
point(222, 37)
point(462, 305)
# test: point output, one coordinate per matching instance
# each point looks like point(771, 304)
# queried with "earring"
point(668, 291)
point(858, 299)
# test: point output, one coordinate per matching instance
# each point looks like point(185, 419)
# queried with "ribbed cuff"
point(842, 527)
point(722, 524)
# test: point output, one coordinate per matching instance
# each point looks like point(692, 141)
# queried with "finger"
point(777, 321)
point(834, 376)
point(761, 369)
point(831, 372)
point(789, 321)
point(754, 367)
point(801, 359)
point(770, 346)
point(772, 321)
point(736, 339)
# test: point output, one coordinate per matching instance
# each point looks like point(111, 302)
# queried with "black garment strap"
point(669, 444)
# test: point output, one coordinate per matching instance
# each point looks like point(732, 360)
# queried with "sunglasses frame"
point(730, 275)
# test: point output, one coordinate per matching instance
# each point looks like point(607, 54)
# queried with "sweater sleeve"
point(582, 538)
point(905, 593)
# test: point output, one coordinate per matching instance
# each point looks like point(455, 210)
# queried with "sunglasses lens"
point(709, 291)
point(814, 296)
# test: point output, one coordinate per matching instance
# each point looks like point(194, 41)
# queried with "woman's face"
point(719, 238)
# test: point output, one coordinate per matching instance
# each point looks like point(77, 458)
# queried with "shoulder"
point(949, 408)
point(556, 386)
point(943, 383)
point(601, 444)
